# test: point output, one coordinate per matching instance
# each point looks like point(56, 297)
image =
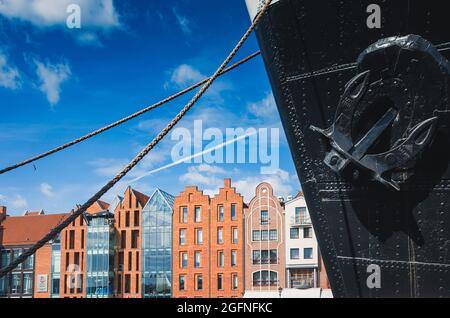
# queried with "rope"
point(55, 231)
point(126, 119)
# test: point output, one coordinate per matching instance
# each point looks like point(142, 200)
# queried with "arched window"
point(265, 278)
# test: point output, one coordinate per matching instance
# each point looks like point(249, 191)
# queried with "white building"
point(302, 252)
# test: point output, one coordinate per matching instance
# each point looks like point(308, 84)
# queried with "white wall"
point(301, 242)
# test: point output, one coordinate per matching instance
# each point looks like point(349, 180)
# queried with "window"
point(233, 212)
point(119, 284)
point(295, 253)
point(308, 253)
point(235, 235)
point(182, 237)
point(120, 219)
point(134, 238)
point(28, 264)
point(137, 261)
point(81, 221)
point(184, 260)
point(301, 215)
point(264, 235)
point(127, 219)
point(307, 232)
point(233, 258)
point(234, 281)
point(121, 261)
point(265, 278)
point(219, 281)
point(198, 214)
point(294, 233)
point(82, 238)
point(182, 282)
point(184, 215)
point(265, 257)
point(71, 239)
point(199, 282)
point(65, 240)
point(136, 218)
point(16, 284)
point(67, 261)
point(221, 259)
point(80, 284)
point(220, 216)
point(137, 284)
point(127, 283)
point(197, 258)
point(273, 236)
point(123, 239)
point(199, 236)
point(130, 261)
point(220, 235)
point(264, 217)
point(256, 236)
point(76, 260)
point(256, 257)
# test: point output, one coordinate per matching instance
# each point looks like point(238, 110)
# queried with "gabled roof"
point(141, 198)
point(24, 230)
point(168, 197)
point(98, 207)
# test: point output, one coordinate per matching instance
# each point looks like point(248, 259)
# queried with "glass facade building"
point(18, 283)
point(56, 267)
point(157, 246)
point(100, 255)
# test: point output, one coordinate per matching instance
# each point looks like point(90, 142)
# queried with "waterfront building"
point(157, 245)
point(264, 242)
point(17, 234)
point(208, 244)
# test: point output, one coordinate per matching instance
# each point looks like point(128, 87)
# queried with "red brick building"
point(128, 216)
point(208, 244)
point(17, 234)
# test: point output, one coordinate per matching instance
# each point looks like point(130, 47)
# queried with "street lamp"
point(280, 290)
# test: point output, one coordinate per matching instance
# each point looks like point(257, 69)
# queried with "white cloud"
point(89, 39)
point(2, 197)
point(183, 22)
point(185, 75)
point(44, 13)
point(203, 175)
point(265, 108)
point(46, 190)
point(51, 77)
point(108, 167)
point(9, 75)
point(19, 202)
point(283, 184)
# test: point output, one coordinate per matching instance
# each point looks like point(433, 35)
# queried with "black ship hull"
point(376, 240)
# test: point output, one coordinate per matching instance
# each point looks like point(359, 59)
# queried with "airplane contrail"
point(176, 163)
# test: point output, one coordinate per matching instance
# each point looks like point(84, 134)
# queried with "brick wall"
point(73, 251)
point(128, 220)
point(190, 199)
point(226, 198)
point(43, 266)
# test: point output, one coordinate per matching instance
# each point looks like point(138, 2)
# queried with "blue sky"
point(58, 83)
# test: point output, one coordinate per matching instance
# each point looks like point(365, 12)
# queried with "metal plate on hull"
point(310, 49)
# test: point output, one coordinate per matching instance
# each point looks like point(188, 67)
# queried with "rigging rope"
point(125, 119)
point(55, 231)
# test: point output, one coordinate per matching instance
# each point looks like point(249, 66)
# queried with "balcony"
point(302, 220)
point(265, 261)
point(265, 283)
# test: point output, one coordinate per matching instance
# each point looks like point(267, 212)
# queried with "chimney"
point(227, 183)
point(2, 213)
